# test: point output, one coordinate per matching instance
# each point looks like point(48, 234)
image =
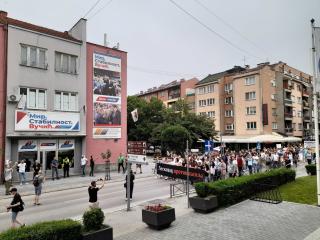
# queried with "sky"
point(166, 44)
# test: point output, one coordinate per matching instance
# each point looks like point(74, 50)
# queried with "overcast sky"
point(165, 44)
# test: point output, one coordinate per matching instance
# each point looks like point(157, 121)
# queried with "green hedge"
point(53, 230)
point(234, 190)
point(311, 169)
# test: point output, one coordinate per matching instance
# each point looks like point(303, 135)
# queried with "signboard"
point(48, 145)
point(27, 146)
point(178, 172)
point(38, 121)
point(208, 145)
point(309, 144)
point(66, 144)
point(138, 159)
point(106, 96)
point(258, 146)
point(278, 145)
point(194, 150)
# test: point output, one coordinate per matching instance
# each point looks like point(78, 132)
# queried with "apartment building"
point(172, 92)
point(47, 91)
point(272, 101)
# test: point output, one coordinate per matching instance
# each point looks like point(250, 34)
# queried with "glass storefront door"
point(46, 158)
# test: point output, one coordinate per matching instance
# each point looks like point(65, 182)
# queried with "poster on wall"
point(46, 121)
point(106, 96)
point(27, 146)
point(66, 144)
point(48, 145)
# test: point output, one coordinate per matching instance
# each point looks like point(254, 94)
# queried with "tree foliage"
point(168, 127)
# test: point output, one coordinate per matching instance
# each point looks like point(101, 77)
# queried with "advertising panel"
point(27, 146)
point(48, 145)
point(66, 144)
point(38, 121)
point(179, 172)
point(106, 96)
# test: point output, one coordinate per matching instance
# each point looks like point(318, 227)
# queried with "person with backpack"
point(38, 180)
point(16, 206)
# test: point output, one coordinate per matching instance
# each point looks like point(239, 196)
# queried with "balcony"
point(289, 131)
point(305, 93)
point(306, 105)
point(306, 118)
point(287, 101)
point(288, 115)
point(173, 96)
point(287, 87)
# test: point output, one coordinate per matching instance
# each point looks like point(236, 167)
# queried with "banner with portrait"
point(106, 96)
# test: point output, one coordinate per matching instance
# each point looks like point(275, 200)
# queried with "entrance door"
point(45, 158)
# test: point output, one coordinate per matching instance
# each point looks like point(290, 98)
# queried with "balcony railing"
point(305, 92)
point(289, 130)
point(288, 114)
point(287, 101)
point(306, 105)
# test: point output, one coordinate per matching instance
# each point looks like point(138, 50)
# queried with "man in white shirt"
point(83, 165)
point(22, 172)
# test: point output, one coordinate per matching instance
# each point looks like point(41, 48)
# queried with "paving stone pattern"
point(246, 220)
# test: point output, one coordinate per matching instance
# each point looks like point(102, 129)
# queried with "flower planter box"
point(102, 234)
point(204, 205)
point(158, 220)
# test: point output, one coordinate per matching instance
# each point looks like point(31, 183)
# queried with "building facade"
point(46, 106)
point(270, 99)
point(172, 92)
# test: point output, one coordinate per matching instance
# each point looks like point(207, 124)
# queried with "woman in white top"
point(22, 172)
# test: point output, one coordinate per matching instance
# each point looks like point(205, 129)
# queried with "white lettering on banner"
point(169, 170)
point(46, 121)
point(138, 159)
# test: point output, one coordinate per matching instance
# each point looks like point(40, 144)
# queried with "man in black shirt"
point(93, 193)
point(16, 206)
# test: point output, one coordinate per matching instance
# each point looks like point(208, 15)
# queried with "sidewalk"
point(76, 181)
point(243, 221)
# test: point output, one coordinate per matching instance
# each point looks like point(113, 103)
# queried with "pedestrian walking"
point(66, 167)
point(36, 168)
point(38, 180)
point(93, 193)
point(16, 206)
point(140, 168)
point(132, 177)
point(54, 168)
point(91, 167)
point(83, 163)
point(120, 163)
point(22, 172)
point(8, 177)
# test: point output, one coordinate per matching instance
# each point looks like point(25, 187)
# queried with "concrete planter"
point(102, 234)
point(159, 220)
point(204, 205)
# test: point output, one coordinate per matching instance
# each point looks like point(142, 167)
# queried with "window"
point(273, 83)
point(228, 87)
point(293, 99)
point(33, 98)
point(274, 126)
point(228, 113)
point(210, 88)
point(251, 111)
point(293, 126)
point(162, 94)
point(300, 126)
point(33, 56)
point(293, 113)
point(210, 101)
point(274, 97)
point(229, 127)
point(299, 114)
point(250, 80)
point(202, 103)
point(251, 125)
point(211, 114)
point(299, 99)
point(299, 87)
point(274, 112)
point(202, 113)
point(201, 90)
point(66, 101)
point(228, 100)
point(66, 63)
point(192, 105)
point(250, 96)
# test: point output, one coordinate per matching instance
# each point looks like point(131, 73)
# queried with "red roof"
point(10, 21)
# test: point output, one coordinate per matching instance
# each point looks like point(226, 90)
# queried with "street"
point(73, 202)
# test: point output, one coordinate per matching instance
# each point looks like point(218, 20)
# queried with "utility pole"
point(187, 158)
point(315, 108)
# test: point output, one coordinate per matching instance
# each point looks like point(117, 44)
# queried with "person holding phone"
point(93, 192)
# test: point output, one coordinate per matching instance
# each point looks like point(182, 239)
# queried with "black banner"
point(173, 171)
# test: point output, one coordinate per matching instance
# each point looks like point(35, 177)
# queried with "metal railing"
point(266, 193)
point(177, 189)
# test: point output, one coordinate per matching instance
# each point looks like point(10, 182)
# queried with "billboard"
point(106, 96)
point(38, 121)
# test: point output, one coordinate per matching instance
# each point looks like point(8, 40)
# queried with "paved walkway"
point(244, 221)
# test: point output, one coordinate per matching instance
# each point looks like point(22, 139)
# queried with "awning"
point(270, 138)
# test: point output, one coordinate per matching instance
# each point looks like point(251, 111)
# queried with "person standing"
point(240, 164)
point(83, 163)
point(22, 172)
point(120, 163)
point(8, 177)
point(36, 167)
point(54, 168)
point(38, 180)
point(91, 167)
point(93, 193)
point(131, 185)
point(16, 206)
point(66, 167)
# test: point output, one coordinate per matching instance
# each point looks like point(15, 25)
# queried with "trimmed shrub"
point(311, 169)
point(93, 219)
point(53, 230)
point(234, 190)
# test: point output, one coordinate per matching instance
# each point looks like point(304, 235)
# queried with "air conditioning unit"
point(14, 98)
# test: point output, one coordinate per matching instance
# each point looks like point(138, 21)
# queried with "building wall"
point(241, 104)
point(3, 42)
point(96, 146)
point(225, 107)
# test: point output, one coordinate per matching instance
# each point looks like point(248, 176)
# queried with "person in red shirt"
point(240, 164)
